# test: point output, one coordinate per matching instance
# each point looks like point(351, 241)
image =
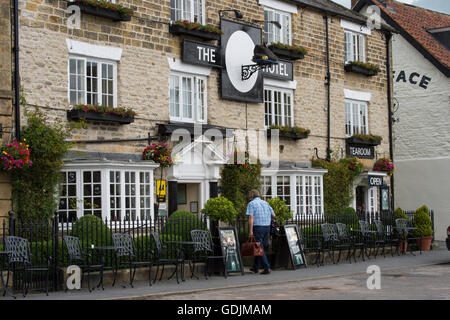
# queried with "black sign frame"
point(370, 181)
point(371, 150)
point(290, 73)
point(230, 249)
point(294, 244)
point(190, 54)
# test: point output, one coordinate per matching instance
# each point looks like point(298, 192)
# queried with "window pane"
point(187, 97)
point(268, 107)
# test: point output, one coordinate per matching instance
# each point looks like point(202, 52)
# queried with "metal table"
point(101, 251)
point(184, 245)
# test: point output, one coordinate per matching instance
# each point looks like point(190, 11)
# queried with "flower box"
point(77, 115)
point(286, 53)
point(176, 29)
point(289, 135)
point(359, 140)
point(99, 11)
point(360, 69)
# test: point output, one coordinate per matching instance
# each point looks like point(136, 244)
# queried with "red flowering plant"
point(124, 11)
point(385, 165)
point(159, 153)
point(353, 164)
point(15, 156)
point(123, 112)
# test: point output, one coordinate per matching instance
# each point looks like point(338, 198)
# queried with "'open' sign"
point(375, 181)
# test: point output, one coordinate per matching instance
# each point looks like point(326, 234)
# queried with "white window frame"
point(285, 33)
point(349, 109)
point(99, 78)
point(298, 207)
point(188, 15)
point(198, 103)
point(105, 170)
point(283, 116)
point(355, 48)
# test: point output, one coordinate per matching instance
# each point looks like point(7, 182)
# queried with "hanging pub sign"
point(229, 242)
point(295, 247)
point(375, 181)
point(201, 54)
point(360, 151)
point(284, 70)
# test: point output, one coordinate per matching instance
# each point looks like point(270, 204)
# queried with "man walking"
point(259, 217)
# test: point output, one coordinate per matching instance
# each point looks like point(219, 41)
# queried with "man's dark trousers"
point(261, 234)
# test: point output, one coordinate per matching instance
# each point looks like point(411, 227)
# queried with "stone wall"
point(143, 73)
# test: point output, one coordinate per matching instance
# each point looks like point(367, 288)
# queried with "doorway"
point(188, 197)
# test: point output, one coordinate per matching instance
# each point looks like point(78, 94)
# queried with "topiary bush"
point(422, 222)
point(90, 229)
point(282, 211)
point(220, 209)
point(180, 224)
point(349, 216)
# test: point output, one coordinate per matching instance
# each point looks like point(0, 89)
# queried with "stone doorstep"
point(123, 276)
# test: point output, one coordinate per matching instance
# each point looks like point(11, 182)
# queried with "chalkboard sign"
point(295, 246)
point(229, 243)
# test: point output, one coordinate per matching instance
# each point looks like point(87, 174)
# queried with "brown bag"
point(252, 248)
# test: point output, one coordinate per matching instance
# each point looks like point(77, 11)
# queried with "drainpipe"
point(328, 84)
point(389, 97)
point(16, 70)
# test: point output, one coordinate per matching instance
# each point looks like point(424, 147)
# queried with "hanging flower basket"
point(384, 165)
point(295, 133)
point(205, 32)
point(286, 51)
point(354, 165)
point(15, 156)
point(159, 153)
point(104, 9)
point(367, 69)
point(101, 113)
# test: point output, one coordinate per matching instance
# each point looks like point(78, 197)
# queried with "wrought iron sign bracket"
point(249, 69)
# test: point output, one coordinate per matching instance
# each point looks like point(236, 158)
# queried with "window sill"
point(77, 115)
point(100, 12)
point(207, 36)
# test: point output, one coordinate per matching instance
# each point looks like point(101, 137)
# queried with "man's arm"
point(250, 225)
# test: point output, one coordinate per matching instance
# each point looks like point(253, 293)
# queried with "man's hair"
point(254, 193)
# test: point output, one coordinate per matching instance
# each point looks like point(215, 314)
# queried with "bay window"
point(187, 98)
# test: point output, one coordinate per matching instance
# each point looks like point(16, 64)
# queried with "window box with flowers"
point(366, 139)
point(295, 133)
point(15, 156)
point(286, 51)
point(101, 113)
point(104, 9)
point(367, 69)
point(205, 32)
point(384, 165)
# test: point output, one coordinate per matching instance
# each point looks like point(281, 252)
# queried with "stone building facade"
point(141, 66)
point(6, 99)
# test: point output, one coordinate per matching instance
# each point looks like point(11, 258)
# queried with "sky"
point(436, 5)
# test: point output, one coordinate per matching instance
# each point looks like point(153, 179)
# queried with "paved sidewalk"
point(169, 287)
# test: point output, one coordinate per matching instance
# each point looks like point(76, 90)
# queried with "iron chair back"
point(330, 232)
point(74, 249)
point(124, 245)
point(202, 240)
point(18, 250)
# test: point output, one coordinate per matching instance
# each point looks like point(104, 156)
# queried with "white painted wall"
point(422, 135)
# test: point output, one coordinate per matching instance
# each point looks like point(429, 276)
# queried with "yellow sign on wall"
point(160, 188)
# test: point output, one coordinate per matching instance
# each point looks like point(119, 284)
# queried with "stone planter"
point(360, 70)
point(286, 53)
point(356, 140)
point(100, 12)
point(288, 135)
point(77, 115)
point(424, 243)
point(204, 35)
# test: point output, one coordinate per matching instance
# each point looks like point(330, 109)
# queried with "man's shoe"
point(267, 271)
point(253, 270)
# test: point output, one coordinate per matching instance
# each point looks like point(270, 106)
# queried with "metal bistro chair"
point(351, 241)
point(82, 259)
point(20, 261)
point(204, 250)
point(383, 238)
point(368, 236)
point(125, 248)
point(406, 231)
point(160, 256)
point(330, 241)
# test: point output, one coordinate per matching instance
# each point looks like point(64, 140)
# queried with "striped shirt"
point(261, 211)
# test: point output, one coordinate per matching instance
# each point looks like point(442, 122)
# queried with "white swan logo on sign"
point(239, 52)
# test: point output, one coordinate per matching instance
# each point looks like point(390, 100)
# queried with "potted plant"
point(423, 225)
point(384, 165)
point(101, 113)
point(104, 9)
point(280, 249)
point(15, 156)
point(367, 139)
point(367, 69)
point(287, 51)
point(295, 133)
point(185, 27)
